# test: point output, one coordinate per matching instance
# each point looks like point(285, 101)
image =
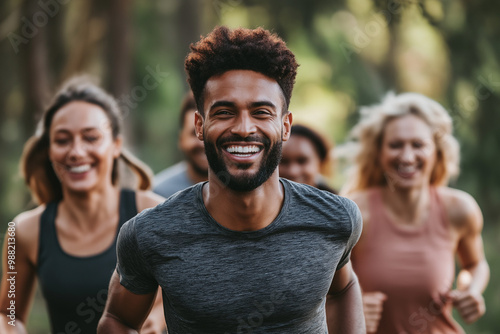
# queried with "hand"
point(372, 308)
point(469, 305)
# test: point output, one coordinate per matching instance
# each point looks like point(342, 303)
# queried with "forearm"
point(11, 326)
point(474, 278)
point(110, 324)
point(344, 310)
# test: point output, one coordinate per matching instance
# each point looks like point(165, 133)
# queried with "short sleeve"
point(134, 272)
point(356, 228)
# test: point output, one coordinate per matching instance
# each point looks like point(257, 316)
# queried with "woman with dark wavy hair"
point(68, 242)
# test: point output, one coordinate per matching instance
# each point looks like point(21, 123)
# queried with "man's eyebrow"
point(262, 104)
point(256, 104)
point(222, 103)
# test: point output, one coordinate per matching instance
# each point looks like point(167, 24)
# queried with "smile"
point(407, 169)
point(408, 172)
point(79, 169)
point(243, 151)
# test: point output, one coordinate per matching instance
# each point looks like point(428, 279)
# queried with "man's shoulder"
point(312, 196)
point(175, 169)
point(172, 172)
point(172, 209)
point(171, 180)
point(307, 201)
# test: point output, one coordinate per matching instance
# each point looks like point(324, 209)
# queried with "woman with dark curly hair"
point(68, 242)
point(414, 224)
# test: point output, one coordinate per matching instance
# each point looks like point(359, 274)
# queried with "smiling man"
point(245, 252)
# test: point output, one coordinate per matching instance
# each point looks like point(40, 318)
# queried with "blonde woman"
point(68, 242)
point(414, 224)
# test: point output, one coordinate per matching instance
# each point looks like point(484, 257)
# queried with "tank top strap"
point(128, 206)
point(47, 236)
point(48, 242)
point(440, 227)
point(377, 213)
point(67, 281)
point(438, 207)
point(376, 205)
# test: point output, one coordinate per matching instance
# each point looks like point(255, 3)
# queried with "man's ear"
point(287, 125)
point(198, 125)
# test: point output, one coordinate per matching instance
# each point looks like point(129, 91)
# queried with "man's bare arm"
point(344, 305)
point(125, 311)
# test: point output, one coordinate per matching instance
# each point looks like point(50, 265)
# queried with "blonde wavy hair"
point(366, 140)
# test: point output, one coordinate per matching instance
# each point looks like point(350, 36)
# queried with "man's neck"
point(244, 211)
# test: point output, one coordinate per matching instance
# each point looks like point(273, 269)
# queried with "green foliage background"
point(351, 53)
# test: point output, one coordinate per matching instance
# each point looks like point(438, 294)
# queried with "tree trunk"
point(34, 69)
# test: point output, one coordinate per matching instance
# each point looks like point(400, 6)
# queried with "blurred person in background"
point(306, 158)
point(414, 224)
point(69, 241)
point(194, 168)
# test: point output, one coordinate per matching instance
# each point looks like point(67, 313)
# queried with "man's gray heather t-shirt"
point(215, 280)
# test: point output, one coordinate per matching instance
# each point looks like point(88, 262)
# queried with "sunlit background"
point(350, 52)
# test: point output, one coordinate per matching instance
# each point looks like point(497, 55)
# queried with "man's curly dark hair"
point(241, 49)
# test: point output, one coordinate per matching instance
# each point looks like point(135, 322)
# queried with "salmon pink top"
point(412, 265)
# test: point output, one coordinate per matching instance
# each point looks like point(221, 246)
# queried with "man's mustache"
point(249, 139)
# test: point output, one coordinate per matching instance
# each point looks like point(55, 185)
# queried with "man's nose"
point(244, 125)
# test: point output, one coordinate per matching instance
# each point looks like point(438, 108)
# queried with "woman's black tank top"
point(75, 288)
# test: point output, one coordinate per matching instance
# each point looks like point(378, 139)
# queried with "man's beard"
point(269, 163)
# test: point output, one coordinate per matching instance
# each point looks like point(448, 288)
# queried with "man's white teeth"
point(243, 149)
point(79, 169)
